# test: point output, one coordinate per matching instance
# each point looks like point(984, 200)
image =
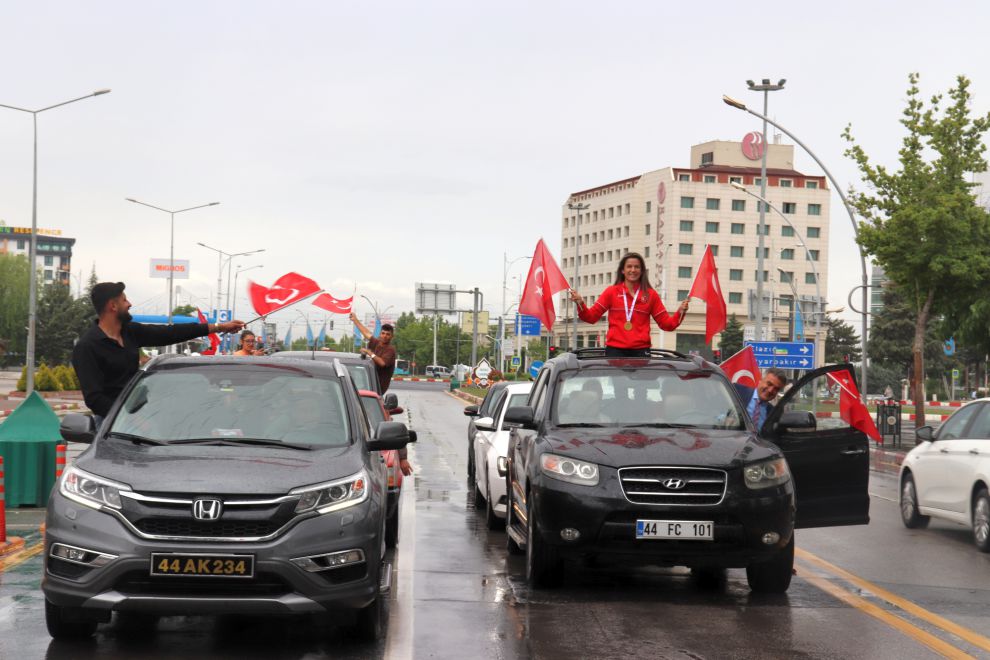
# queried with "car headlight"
point(333, 495)
point(766, 474)
point(569, 469)
point(90, 490)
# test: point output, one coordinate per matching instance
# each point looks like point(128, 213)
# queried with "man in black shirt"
point(106, 356)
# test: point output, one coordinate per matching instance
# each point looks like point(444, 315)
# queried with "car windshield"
point(646, 397)
point(373, 410)
point(359, 374)
point(235, 403)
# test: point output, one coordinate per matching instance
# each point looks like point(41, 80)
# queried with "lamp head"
point(738, 186)
point(101, 91)
point(728, 100)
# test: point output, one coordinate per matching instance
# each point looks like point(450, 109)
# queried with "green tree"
point(922, 223)
point(414, 341)
point(60, 322)
point(14, 275)
point(892, 334)
point(840, 340)
point(184, 310)
point(731, 341)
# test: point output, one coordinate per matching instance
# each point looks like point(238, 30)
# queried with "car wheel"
point(61, 624)
point(981, 520)
point(543, 565)
point(510, 546)
point(909, 505)
point(372, 620)
point(470, 469)
point(479, 497)
point(392, 529)
point(773, 576)
point(493, 521)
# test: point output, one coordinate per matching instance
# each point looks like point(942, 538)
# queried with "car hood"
point(217, 469)
point(622, 447)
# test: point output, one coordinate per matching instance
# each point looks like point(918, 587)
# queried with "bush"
point(66, 377)
point(45, 380)
point(22, 381)
point(495, 375)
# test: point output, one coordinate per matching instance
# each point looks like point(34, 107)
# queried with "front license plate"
point(692, 530)
point(232, 566)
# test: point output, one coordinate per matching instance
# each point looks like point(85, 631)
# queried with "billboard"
point(467, 322)
point(436, 298)
point(180, 268)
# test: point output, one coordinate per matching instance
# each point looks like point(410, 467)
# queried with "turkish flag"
point(742, 368)
point(707, 288)
point(851, 407)
point(287, 290)
point(544, 280)
point(214, 337)
point(335, 305)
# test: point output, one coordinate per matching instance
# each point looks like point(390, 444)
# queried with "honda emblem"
point(207, 509)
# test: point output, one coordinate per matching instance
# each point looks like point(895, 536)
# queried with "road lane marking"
point(931, 641)
point(948, 626)
point(21, 557)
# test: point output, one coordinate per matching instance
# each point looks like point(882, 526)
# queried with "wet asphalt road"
point(877, 591)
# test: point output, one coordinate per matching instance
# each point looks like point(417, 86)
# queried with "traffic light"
point(553, 351)
point(717, 356)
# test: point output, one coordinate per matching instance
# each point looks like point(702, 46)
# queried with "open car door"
point(828, 458)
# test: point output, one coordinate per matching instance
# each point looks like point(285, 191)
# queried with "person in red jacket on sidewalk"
point(630, 304)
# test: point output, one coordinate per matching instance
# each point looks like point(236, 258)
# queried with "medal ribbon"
point(629, 310)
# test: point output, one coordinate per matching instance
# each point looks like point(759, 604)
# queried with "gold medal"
point(628, 325)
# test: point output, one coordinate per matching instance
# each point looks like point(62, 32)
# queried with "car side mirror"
point(519, 417)
point(484, 424)
point(797, 420)
point(413, 436)
point(471, 411)
point(390, 401)
point(76, 427)
point(389, 435)
point(925, 433)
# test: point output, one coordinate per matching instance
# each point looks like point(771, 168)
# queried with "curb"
point(470, 398)
point(905, 417)
point(416, 379)
point(12, 545)
point(887, 461)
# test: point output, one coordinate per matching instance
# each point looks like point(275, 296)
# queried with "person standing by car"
point(758, 399)
point(249, 344)
point(630, 303)
point(380, 350)
point(107, 354)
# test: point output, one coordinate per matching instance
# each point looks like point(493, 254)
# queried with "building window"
point(786, 183)
point(813, 254)
point(736, 251)
point(20, 244)
point(49, 260)
point(708, 158)
point(787, 230)
point(786, 276)
point(618, 210)
point(766, 276)
point(757, 181)
point(648, 203)
point(735, 179)
point(766, 229)
point(735, 274)
point(712, 203)
point(814, 209)
point(739, 205)
point(647, 229)
point(809, 278)
point(687, 225)
point(814, 232)
point(626, 228)
point(610, 234)
point(738, 228)
point(683, 177)
point(682, 294)
point(48, 276)
point(789, 207)
point(627, 208)
point(811, 184)
point(735, 298)
point(611, 211)
point(787, 253)
point(714, 250)
point(685, 248)
point(709, 178)
point(684, 272)
point(711, 227)
point(687, 202)
point(646, 251)
point(766, 252)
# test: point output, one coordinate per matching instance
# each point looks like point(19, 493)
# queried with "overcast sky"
point(380, 144)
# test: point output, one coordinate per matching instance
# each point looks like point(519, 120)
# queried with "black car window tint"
point(501, 403)
point(538, 393)
point(955, 426)
point(980, 430)
point(486, 403)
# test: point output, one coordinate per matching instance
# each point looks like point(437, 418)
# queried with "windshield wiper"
point(660, 425)
point(241, 441)
point(140, 439)
point(582, 425)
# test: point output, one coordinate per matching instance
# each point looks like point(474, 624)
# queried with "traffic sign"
point(527, 326)
point(221, 316)
point(534, 369)
point(516, 361)
point(784, 354)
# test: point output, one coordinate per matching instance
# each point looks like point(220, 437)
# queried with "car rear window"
point(373, 409)
point(264, 402)
point(645, 397)
point(359, 374)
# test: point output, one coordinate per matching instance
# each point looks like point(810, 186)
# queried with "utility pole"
point(577, 262)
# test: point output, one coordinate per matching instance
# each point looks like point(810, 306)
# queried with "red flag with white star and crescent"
point(707, 288)
point(742, 368)
point(544, 280)
point(851, 407)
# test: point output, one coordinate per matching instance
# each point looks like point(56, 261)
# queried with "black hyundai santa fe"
point(655, 461)
point(223, 485)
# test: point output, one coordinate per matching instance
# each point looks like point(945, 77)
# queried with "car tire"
point(773, 576)
point(981, 520)
point(372, 620)
point(470, 462)
point(60, 625)
point(909, 505)
point(491, 520)
point(479, 498)
point(392, 529)
point(544, 568)
point(510, 545)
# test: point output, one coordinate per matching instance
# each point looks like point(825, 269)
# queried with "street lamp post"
point(506, 265)
point(220, 261)
point(852, 218)
point(577, 261)
point(236, 273)
point(33, 243)
point(171, 244)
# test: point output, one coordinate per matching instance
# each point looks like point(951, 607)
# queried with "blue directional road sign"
point(527, 326)
point(534, 369)
point(784, 354)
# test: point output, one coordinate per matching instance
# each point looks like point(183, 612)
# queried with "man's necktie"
point(757, 415)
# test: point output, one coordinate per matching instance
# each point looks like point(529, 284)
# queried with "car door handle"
point(943, 451)
point(974, 452)
point(852, 452)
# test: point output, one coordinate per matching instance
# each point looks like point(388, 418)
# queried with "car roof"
point(320, 355)
point(516, 388)
point(169, 361)
point(369, 394)
point(586, 358)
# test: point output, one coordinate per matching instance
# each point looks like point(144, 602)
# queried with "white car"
point(948, 474)
point(491, 447)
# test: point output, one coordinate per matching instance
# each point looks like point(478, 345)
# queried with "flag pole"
point(258, 318)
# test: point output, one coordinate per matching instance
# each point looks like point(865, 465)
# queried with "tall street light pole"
point(33, 249)
point(240, 270)
point(814, 270)
point(506, 265)
point(171, 243)
point(766, 87)
point(577, 262)
point(852, 218)
point(220, 259)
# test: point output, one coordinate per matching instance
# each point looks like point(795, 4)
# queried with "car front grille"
point(677, 486)
point(190, 528)
point(170, 516)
